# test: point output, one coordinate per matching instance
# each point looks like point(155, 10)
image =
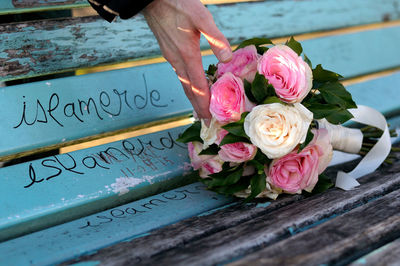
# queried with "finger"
point(218, 43)
point(180, 71)
point(199, 85)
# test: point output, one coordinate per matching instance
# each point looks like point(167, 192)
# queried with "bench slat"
point(80, 42)
point(167, 90)
point(87, 105)
point(338, 240)
point(103, 229)
point(237, 230)
point(23, 6)
point(388, 254)
point(56, 189)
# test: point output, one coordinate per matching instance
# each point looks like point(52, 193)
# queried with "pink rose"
point(287, 73)
point(227, 99)
point(297, 171)
point(235, 152)
point(242, 65)
point(210, 166)
point(206, 164)
point(197, 160)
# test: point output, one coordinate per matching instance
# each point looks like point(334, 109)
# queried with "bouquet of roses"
point(275, 122)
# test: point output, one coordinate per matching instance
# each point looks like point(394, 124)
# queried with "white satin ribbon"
point(343, 138)
point(375, 157)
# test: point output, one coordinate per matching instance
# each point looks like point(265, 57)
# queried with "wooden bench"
point(131, 201)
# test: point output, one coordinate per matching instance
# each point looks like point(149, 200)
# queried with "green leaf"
point(322, 110)
point(261, 49)
point(242, 184)
point(236, 128)
point(324, 182)
point(211, 150)
point(254, 41)
point(323, 75)
point(339, 117)
point(247, 91)
point(259, 166)
point(259, 88)
point(191, 134)
point(230, 138)
point(262, 158)
point(336, 93)
point(228, 179)
point(272, 99)
point(211, 70)
point(307, 60)
point(295, 45)
point(309, 138)
point(258, 183)
point(333, 113)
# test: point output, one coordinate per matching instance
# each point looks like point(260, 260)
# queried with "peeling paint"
point(122, 184)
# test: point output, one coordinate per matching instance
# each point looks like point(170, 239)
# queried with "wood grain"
point(338, 240)
point(388, 254)
point(239, 230)
point(80, 42)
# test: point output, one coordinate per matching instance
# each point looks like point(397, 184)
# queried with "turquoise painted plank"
point(358, 53)
point(59, 188)
point(72, 239)
point(349, 55)
point(71, 108)
point(381, 94)
point(36, 48)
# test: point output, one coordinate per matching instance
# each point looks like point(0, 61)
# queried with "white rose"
point(209, 134)
point(276, 128)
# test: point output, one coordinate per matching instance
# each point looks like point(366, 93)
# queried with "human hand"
point(177, 25)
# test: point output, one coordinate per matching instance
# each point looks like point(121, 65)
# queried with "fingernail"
point(226, 55)
point(207, 121)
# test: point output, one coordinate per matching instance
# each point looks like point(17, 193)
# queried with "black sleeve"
point(109, 9)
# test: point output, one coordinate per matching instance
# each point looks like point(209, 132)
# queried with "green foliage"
point(191, 134)
point(333, 113)
point(262, 158)
point(336, 93)
point(257, 42)
point(225, 178)
point(323, 75)
point(295, 45)
point(231, 138)
point(236, 128)
point(242, 184)
point(272, 99)
point(260, 89)
point(211, 150)
point(323, 184)
point(333, 99)
point(309, 138)
point(247, 90)
point(258, 183)
point(211, 70)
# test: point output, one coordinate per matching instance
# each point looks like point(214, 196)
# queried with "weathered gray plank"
point(22, 6)
point(388, 254)
point(238, 229)
point(338, 240)
point(37, 48)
